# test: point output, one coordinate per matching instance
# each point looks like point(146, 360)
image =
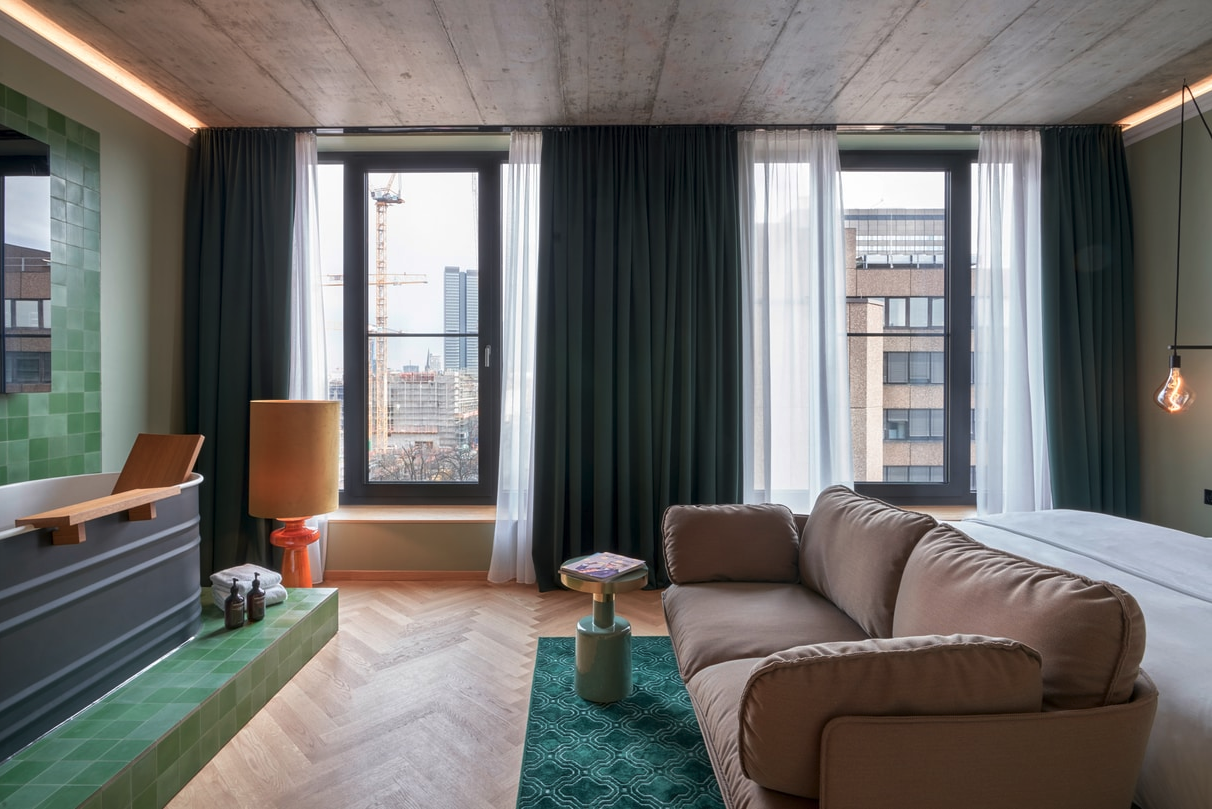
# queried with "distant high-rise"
point(461, 295)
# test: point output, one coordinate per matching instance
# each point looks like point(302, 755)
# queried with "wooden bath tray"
point(68, 522)
point(154, 470)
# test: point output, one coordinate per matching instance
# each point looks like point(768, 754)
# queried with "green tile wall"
point(45, 435)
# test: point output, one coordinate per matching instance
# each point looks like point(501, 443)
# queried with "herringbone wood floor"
point(419, 701)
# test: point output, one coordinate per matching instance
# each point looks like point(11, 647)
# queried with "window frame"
point(358, 165)
point(958, 200)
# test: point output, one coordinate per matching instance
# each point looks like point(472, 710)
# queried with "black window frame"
point(358, 489)
point(957, 168)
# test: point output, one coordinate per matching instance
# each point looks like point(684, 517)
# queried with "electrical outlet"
point(1208, 497)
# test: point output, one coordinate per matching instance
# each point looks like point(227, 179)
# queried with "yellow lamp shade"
point(293, 457)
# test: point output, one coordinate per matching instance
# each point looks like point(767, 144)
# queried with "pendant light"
point(1174, 395)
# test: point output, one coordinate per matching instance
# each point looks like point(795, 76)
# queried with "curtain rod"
point(848, 129)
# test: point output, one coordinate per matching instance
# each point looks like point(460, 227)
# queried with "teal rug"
point(643, 752)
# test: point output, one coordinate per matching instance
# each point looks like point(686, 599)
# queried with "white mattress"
point(1170, 575)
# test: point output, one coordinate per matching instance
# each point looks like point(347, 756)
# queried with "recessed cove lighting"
point(37, 23)
point(1166, 104)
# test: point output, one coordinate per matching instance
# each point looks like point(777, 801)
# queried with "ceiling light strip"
point(1162, 115)
point(88, 56)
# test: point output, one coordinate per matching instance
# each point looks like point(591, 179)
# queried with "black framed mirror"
point(25, 290)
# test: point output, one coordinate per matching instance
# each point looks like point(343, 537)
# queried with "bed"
point(1170, 574)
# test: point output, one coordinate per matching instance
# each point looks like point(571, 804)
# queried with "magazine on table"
point(603, 566)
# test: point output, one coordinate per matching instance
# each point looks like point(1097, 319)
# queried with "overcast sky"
point(27, 212)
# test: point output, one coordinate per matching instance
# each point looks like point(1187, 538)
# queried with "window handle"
point(487, 356)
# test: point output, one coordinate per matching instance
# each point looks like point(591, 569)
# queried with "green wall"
point(1176, 450)
point(132, 345)
point(58, 433)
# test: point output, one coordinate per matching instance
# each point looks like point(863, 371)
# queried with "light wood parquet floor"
point(419, 701)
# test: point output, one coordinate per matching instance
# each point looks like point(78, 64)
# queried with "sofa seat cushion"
point(853, 550)
point(730, 543)
point(716, 621)
point(1090, 634)
point(716, 695)
point(791, 695)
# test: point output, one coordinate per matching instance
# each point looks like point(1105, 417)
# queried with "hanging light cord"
point(1186, 91)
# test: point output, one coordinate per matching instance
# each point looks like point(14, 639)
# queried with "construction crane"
point(383, 196)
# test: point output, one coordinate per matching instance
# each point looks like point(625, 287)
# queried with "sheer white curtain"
point(308, 363)
point(797, 389)
point(512, 537)
point(1012, 472)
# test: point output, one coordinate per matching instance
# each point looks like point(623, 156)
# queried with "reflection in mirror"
point(26, 289)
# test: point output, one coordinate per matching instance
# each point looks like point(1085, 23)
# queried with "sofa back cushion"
point(790, 696)
point(853, 550)
point(730, 543)
point(1090, 634)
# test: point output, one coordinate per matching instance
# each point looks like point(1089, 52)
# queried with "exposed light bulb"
point(1174, 396)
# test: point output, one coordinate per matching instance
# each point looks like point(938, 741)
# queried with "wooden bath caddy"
point(155, 469)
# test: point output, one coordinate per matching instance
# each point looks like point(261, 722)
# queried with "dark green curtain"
point(239, 205)
point(638, 373)
point(1090, 326)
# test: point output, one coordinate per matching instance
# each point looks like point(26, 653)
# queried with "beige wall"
point(447, 546)
point(142, 218)
point(1176, 451)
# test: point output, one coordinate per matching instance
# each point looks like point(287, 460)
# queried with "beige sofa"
point(866, 656)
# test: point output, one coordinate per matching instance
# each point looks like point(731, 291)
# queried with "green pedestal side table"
point(603, 648)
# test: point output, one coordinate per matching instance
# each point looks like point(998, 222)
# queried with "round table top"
point(632, 580)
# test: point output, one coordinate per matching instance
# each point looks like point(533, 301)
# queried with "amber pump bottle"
point(233, 608)
point(256, 600)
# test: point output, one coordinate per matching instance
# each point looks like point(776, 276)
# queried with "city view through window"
point(422, 343)
point(896, 288)
point(422, 324)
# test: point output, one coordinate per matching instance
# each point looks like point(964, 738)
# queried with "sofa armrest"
point(730, 543)
point(791, 696)
point(1079, 759)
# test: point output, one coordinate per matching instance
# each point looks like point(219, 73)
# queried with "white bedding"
point(1170, 575)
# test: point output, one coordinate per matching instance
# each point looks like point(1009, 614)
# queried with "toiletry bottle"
point(233, 608)
point(256, 600)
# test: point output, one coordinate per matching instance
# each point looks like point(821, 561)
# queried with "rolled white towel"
point(274, 594)
point(245, 575)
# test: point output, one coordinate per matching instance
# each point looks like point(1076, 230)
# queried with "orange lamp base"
point(294, 537)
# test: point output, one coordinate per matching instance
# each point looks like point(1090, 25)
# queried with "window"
point(914, 313)
point(909, 311)
point(27, 368)
point(913, 474)
point(417, 282)
point(915, 424)
point(914, 367)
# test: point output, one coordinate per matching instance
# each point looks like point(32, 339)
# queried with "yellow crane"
point(383, 196)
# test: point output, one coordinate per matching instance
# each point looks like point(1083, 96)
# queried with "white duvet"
point(1170, 575)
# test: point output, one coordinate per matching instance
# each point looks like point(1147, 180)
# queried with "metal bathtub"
point(78, 620)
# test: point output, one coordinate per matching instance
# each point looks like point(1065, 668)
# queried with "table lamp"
point(292, 474)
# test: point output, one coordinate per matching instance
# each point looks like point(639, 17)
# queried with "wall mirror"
point(26, 286)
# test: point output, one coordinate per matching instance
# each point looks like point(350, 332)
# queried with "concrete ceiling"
point(353, 63)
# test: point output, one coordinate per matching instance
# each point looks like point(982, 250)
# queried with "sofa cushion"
point(853, 551)
point(716, 693)
point(716, 621)
point(730, 543)
point(790, 696)
point(1090, 634)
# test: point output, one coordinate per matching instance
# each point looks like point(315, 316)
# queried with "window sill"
point(945, 513)
point(414, 514)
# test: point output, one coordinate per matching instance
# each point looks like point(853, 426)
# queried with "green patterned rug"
point(643, 752)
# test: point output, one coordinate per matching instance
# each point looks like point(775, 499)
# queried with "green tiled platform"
point(139, 744)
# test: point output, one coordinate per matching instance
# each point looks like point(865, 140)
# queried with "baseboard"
point(405, 575)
